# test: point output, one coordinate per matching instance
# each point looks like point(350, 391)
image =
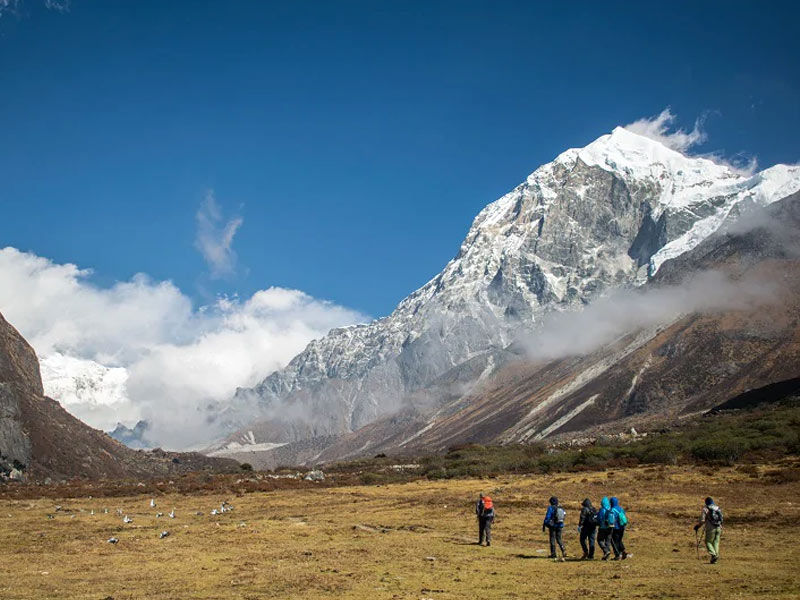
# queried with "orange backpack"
point(487, 503)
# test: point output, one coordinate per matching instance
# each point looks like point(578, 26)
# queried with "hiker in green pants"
point(711, 519)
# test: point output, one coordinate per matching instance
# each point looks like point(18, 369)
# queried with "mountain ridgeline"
point(613, 215)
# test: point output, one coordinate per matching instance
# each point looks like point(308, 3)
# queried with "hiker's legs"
point(487, 528)
point(712, 540)
point(552, 531)
point(616, 541)
point(560, 541)
point(481, 529)
point(603, 539)
point(584, 546)
point(590, 536)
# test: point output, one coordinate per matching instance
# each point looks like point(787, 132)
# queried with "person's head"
point(709, 501)
point(586, 502)
point(614, 501)
point(553, 500)
point(481, 496)
point(604, 503)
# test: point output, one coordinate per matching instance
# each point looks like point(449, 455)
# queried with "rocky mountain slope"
point(601, 217)
point(38, 436)
point(645, 376)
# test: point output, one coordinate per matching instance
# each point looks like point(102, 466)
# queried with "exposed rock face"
point(132, 437)
point(39, 435)
point(19, 381)
point(651, 375)
point(598, 217)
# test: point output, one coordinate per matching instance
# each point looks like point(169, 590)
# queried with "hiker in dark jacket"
point(604, 527)
point(587, 527)
point(484, 510)
point(711, 521)
point(554, 522)
point(620, 520)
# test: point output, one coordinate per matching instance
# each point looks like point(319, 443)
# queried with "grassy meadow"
point(408, 540)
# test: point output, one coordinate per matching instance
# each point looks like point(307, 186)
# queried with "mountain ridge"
point(601, 217)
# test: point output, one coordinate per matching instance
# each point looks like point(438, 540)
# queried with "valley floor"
point(412, 540)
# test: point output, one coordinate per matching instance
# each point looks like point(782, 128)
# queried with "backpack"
point(715, 516)
point(622, 518)
point(591, 516)
point(560, 515)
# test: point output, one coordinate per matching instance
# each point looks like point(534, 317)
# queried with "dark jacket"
point(587, 517)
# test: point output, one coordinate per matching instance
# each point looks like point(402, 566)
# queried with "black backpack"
point(715, 516)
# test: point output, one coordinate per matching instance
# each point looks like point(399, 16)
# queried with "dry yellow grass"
point(375, 542)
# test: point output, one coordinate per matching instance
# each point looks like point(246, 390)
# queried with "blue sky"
point(355, 141)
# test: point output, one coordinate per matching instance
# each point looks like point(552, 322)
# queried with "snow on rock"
point(604, 216)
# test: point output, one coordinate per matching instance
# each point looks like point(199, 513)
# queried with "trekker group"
point(604, 527)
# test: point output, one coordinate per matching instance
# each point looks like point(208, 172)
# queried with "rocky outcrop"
point(604, 216)
point(19, 384)
point(645, 377)
point(42, 440)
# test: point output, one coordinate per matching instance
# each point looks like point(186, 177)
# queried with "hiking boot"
point(585, 556)
point(606, 555)
point(615, 558)
point(714, 559)
point(553, 556)
point(624, 555)
point(488, 544)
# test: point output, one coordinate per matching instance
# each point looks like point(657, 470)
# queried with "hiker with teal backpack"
point(605, 527)
point(711, 519)
point(618, 522)
point(554, 522)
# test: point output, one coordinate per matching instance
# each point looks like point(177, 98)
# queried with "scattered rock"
point(113, 540)
point(163, 534)
point(315, 475)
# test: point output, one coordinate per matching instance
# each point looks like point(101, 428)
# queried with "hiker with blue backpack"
point(711, 520)
point(554, 522)
point(605, 527)
point(587, 528)
point(618, 522)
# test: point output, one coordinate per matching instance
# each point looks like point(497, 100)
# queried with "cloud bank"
point(214, 238)
point(178, 359)
point(658, 128)
point(572, 333)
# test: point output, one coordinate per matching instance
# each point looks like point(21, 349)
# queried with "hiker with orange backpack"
point(484, 510)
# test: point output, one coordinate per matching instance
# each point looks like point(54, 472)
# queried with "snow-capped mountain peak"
point(597, 217)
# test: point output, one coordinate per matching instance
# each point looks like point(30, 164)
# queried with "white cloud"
point(214, 239)
point(13, 5)
point(741, 163)
point(179, 359)
point(658, 128)
point(8, 6)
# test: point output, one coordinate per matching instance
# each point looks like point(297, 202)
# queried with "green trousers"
point(712, 540)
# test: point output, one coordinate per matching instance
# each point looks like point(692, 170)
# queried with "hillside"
point(38, 434)
point(605, 217)
point(747, 337)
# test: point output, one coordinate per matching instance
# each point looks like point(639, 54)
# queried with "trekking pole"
point(697, 545)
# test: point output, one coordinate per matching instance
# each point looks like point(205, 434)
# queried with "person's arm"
point(702, 520)
point(546, 517)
